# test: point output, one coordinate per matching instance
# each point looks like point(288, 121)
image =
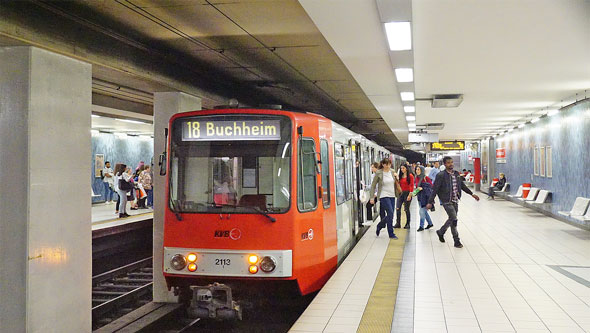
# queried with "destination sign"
point(447, 145)
point(214, 130)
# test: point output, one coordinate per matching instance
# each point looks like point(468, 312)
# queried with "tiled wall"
point(568, 133)
point(128, 150)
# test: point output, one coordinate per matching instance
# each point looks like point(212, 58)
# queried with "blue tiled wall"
point(568, 133)
point(128, 150)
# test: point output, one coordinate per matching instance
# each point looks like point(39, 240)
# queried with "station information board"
point(447, 145)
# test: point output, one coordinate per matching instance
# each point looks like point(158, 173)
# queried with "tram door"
point(360, 211)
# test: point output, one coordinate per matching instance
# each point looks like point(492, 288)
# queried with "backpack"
point(101, 175)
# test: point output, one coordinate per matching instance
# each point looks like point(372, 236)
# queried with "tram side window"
point(325, 173)
point(339, 173)
point(306, 191)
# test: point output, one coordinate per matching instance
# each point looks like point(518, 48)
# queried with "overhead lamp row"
point(399, 37)
point(549, 113)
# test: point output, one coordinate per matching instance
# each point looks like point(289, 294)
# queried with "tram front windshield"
point(230, 164)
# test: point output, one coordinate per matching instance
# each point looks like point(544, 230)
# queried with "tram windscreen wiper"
point(254, 208)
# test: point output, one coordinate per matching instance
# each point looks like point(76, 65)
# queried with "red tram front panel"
point(230, 173)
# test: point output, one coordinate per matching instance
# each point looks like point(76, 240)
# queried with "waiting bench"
point(579, 210)
point(532, 195)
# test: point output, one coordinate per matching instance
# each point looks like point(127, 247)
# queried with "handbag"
point(124, 185)
point(363, 197)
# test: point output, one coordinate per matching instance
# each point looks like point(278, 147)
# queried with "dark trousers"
point(451, 208)
point(386, 206)
point(403, 200)
point(369, 207)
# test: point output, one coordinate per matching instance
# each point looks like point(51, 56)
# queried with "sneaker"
point(377, 230)
point(116, 212)
point(407, 226)
point(441, 237)
point(458, 245)
point(393, 237)
point(420, 229)
point(429, 226)
point(397, 226)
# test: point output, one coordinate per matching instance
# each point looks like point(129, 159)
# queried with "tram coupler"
point(214, 302)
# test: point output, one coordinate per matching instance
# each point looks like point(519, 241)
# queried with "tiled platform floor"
point(103, 216)
point(503, 279)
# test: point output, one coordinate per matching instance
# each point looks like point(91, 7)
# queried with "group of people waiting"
point(424, 183)
point(135, 187)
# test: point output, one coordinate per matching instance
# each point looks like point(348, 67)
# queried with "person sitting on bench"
point(498, 187)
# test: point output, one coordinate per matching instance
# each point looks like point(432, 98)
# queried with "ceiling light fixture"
point(95, 116)
point(521, 125)
point(535, 120)
point(407, 96)
point(132, 121)
point(410, 118)
point(552, 112)
point(404, 74)
point(409, 109)
point(399, 36)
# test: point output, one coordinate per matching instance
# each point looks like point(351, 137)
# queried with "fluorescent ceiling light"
point(399, 36)
point(409, 109)
point(132, 121)
point(552, 112)
point(510, 130)
point(521, 125)
point(407, 96)
point(535, 120)
point(404, 74)
point(94, 132)
point(409, 118)
point(95, 116)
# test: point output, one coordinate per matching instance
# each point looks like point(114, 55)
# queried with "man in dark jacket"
point(448, 185)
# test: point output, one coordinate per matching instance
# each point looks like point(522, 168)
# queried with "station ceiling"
point(259, 51)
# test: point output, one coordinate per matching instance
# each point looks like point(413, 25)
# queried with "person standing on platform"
point(434, 171)
point(387, 185)
point(370, 206)
point(145, 179)
point(122, 178)
point(422, 191)
point(109, 182)
point(448, 185)
point(406, 180)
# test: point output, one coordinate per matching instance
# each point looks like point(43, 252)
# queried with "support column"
point(45, 231)
point(166, 104)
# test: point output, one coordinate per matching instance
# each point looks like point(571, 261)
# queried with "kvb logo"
point(307, 235)
point(233, 234)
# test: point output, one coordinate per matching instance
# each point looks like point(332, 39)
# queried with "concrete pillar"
point(45, 231)
point(166, 104)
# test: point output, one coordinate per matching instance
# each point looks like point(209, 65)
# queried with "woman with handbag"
point(122, 178)
point(387, 185)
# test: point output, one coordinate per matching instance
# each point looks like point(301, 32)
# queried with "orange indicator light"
point(192, 267)
point(253, 259)
point(253, 269)
point(191, 257)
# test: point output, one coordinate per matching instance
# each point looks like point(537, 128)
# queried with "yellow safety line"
point(119, 219)
point(378, 315)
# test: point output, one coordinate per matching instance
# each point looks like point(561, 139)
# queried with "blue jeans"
point(108, 192)
point(150, 198)
point(424, 216)
point(387, 207)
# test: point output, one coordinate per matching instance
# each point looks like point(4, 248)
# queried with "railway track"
point(120, 291)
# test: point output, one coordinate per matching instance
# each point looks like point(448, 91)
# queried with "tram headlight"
point(191, 257)
point(178, 262)
point(268, 264)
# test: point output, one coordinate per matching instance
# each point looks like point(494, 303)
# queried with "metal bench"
point(532, 196)
point(579, 208)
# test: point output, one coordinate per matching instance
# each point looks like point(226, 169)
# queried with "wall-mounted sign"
point(447, 145)
point(500, 155)
point(213, 130)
